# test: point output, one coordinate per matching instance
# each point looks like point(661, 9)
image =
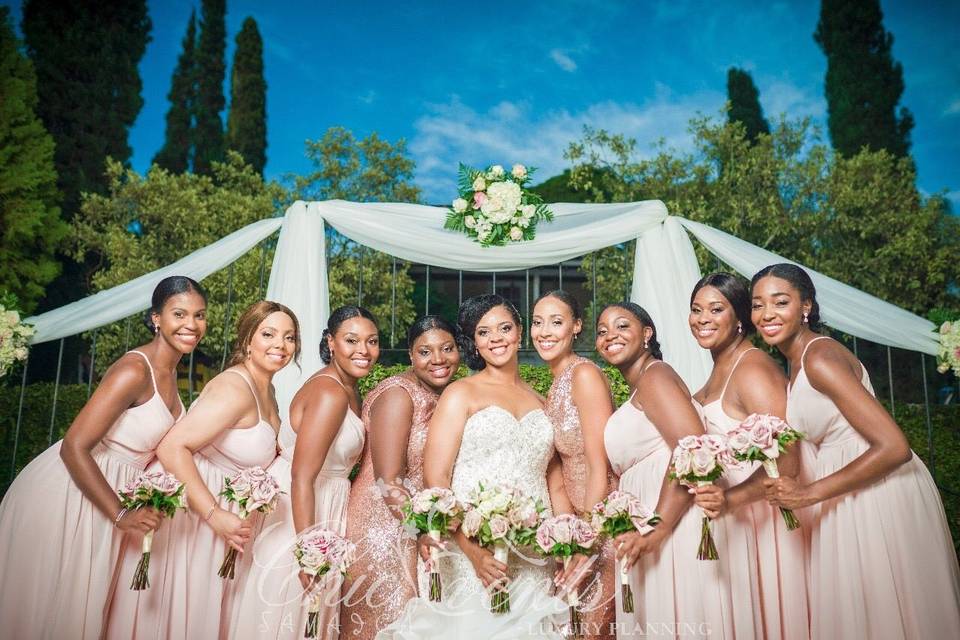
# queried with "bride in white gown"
point(489, 428)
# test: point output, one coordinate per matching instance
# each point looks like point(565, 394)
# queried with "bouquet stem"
point(626, 593)
point(436, 588)
point(141, 577)
point(573, 600)
point(500, 600)
point(770, 466)
point(707, 549)
point(228, 568)
point(313, 616)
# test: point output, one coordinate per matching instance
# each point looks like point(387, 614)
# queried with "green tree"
point(175, 155)
point(745, 103)
point(179, 213)
point(211, 69)
point(247, 121)
point(30, 224)
point(863, 83)
point(367, 170)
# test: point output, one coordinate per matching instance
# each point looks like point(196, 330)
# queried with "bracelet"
point(122, 513)
point(213, 508)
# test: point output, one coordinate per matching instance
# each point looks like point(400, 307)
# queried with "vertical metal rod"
point(393, 305)
point(459, 287)
point(926, 411)
point(190, 378)
point(126, 335)
point(16, 434)
point(627, 270)
point(559, 275)
point(526, 304)
point(93, 361)
point(56, 390)
point(856, 352)
point(893, 407)
point(494, 282)
point(226, 317)
point(426, 305)
point(263, 265)
point(360, 280)
point(593, 276)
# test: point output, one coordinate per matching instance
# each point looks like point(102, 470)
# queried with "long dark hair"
point(166, 289)
point(338, 317)
point(735, 291)
point(645, 320)
point(799, 280)
point(470, 313)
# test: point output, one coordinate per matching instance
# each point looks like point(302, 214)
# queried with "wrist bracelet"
point(207, 517)
point(122, 513)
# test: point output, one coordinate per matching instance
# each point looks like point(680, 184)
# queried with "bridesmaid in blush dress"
point(675, 594)
point(395, 415)
point(318, 449)
point(228, 428)
point(61, 521)
point(882, 565)
point(765, 561)
point(578, 405)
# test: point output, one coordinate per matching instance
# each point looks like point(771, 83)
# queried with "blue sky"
point(461, 82)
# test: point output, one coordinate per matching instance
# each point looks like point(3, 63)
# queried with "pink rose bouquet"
point(319, 552)
point(698, 461)
point(762, 438)
point(563, 537)
point(253, 489)
point(618, 513)
point(433, 511)
point(163, 492)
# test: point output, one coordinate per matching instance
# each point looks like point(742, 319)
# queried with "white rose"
point(496, 171)
point(562, 532)
point(470, 222)
point(471, 523)
point(459, 205)
point(446, 504)
point(682, 462)
point(704, 462)
point(946, 327)
point(740, 440)
point(528, 210)
point(479, 184)
point(519, 171)
point(516, 233)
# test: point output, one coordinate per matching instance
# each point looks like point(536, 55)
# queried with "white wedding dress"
point(496, 448)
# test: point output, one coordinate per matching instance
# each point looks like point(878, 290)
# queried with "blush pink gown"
point(766, 563)
point(597, 608)
point(186, 598)
point(675, 594)
point(59, 552)
point(270, 601)
point(882, 565)
point(384, 576)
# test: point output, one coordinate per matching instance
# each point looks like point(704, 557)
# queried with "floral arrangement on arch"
point(495, 207)
point(14, 334)
point(949, 356)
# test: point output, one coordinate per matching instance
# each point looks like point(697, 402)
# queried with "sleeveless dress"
point(496, 448)
point(384, 576)
point(59, 551)
point(674, 593)
point(765, 562)
point(882, 565)
point(270, 603)
point(597, 604)
point(186, 598)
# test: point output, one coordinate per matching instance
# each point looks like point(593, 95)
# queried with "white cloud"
point(368, 96)
point(953, 108)
point(780, 96)
point(563, 61)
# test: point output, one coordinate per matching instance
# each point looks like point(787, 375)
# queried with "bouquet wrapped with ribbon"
point(699, 461)
point(618, 513)
point(161, 491)
point(499, 516)
point(433, 511)
point(762, 438)
point(319, 552)
point(252, 489)
point(563, 537)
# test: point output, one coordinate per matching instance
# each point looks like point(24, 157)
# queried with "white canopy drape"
point(665, 270)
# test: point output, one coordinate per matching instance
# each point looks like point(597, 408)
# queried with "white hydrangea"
point(503, 199)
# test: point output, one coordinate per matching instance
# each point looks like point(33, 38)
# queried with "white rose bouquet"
point(499, 516)
point(14, 335)
point(253, 489)
point(318, 552)
point(495, 207)
point(699, 461)
point(163, 492)
point(762, 438)
point(618, 513)
point(433, 511)
point(563, 537)
point(949, 356)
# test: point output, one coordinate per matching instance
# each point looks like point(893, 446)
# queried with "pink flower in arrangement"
point(479, 197)
point(584, 534)
point(499, 527)
point(471, 523)
point(165, 483)
point(690, 443)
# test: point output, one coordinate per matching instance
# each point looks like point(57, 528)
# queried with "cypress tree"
point(863, 83)
point(247, 122)
point(211, 70)
point(745, 103)
point(175, 153)
point(30, 224)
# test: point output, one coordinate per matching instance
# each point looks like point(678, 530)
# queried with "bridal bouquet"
point(498, 516)
point(253, 489)
point(163, 492)
point(495, 207)
point(949, 356)
point(14, 335)
point(318, 552)
point(699, 461)
point(618, 513)
point(432, 511)
point(761, 438)
point(563, 537)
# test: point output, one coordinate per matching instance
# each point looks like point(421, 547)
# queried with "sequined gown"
point(270, 604)
point(59, 551)
point(598, 606)
point(384, 576)
point(882, 565)
point(496, 448)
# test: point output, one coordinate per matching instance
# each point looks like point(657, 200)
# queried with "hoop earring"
point(805, 319)
point(739, 328)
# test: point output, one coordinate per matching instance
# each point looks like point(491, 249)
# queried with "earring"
point(739, 328)
point(646, 344)
point(805, 319)
point(156, 329)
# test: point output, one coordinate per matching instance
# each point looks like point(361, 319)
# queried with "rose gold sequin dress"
point(597, 607)
point(384, 576)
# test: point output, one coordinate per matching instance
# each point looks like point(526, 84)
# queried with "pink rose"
point(617, 502)
point(499, 526)
point(545, 536)
point(689, 443)
point(447, 504)
point(583, 534)
point(740, 440)
point(479, 198)
point(562, 531)
point(240, 483)
point(713, 443)
point(165, 483)
point(471, 523)
point(682, 461)
point(704, 462)
point(761, 435)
